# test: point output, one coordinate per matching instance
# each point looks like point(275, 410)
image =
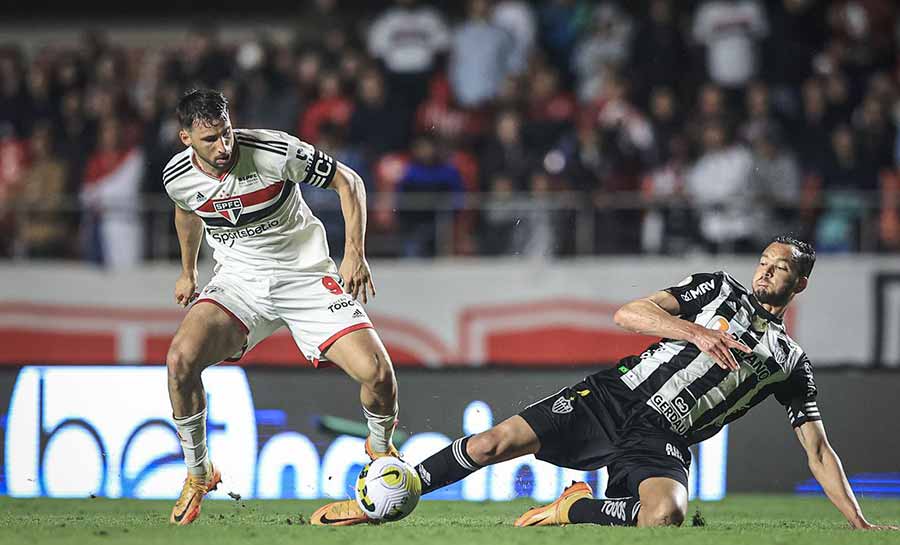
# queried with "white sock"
point(381, 428)
point(192, 432)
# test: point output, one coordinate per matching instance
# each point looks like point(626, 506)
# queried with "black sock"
point(612, 512)
point(447, 466)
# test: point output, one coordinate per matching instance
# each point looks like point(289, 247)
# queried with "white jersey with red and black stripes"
point(254, 214)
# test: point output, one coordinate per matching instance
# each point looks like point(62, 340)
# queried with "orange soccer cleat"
point(556, 513)
point(339, 513)
point(187, 508)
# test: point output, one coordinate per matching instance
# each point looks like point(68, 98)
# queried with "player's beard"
point(778, 298)
point(218, 163)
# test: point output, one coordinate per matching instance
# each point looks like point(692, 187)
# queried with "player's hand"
point(718, 344)
point(357, 276)
point(186, 288)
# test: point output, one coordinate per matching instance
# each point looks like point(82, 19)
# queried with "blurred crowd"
point(489, 127)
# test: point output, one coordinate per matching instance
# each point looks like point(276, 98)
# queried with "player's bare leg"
point(664, 502)
point(207, 336)
point(362, 355)
point(507, 440)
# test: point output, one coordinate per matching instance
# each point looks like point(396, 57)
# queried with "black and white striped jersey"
point(692, 395)
point(254, 214)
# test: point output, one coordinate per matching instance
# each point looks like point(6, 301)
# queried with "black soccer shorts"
point(584, 428)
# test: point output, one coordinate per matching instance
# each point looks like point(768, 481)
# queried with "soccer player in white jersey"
point(723, 350)
point(242, 189)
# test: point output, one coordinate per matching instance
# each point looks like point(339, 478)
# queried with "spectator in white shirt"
point(479, 57)
point(517, 18)
point(718, 185)
point(606, 46)
point(730, 30)
point(408, 39)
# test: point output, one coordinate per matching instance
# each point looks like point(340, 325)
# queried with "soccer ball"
point(388, 489)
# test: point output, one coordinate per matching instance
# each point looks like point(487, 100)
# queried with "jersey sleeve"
point(309, 165)
point(696, 291)
point(178, 202)
point(176, 168)
point(798, 394)
point(288, 157)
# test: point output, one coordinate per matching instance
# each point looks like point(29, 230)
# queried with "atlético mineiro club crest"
point(229, 208)
point(562, 405)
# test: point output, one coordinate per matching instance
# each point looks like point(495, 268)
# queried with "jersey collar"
point(761, 310)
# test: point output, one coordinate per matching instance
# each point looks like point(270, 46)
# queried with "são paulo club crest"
point(229, 208)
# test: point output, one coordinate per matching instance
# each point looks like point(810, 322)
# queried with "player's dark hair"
point(204, 105)
point(804, 254)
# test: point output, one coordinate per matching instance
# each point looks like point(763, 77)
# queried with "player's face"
point(776, 278)
point(213, 143)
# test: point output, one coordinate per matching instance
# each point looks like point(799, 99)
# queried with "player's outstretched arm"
point(189, 227)
point(657, 315)
point(354, 268)
point(827, 469)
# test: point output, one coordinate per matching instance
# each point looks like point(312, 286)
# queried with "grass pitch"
point(756, 520)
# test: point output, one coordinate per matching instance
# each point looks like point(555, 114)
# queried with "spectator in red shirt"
point(332, 106)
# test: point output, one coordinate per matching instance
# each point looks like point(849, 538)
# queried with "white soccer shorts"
point(313, 306)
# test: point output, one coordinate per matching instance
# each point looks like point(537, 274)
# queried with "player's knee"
point(662, 513)
point(182, 363)
point(486, 447)
point(483, 447)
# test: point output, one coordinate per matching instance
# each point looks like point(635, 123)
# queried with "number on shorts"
point(331, 285)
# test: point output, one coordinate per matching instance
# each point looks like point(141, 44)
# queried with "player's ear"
point(185, 137)
point(802, 282)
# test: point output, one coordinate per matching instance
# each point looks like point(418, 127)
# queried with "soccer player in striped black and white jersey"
point(723, 350)
point(241, 188)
